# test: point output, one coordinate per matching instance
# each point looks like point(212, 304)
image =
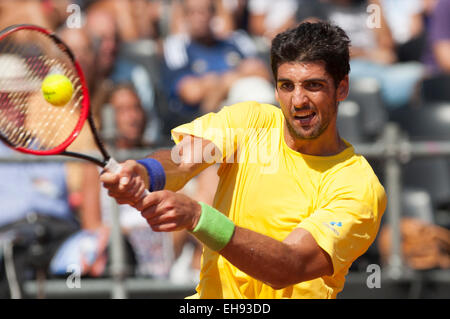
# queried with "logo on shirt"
point(333, 226)
point(338, 224)
point(232, 59)
point(199, 66)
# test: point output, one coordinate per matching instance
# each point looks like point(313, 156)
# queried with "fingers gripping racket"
point(28, 122)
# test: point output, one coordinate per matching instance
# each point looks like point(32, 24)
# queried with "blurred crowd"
point(154, 64)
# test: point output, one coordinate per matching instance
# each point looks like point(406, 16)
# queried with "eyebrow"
point(308, 80)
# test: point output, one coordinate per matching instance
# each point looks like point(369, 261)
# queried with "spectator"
point(406, 22)
point(152, 252)
point(312, 10)
point(82, 47)
point(267, 18)
point(373, 50)
point(117, 69)
point(45, 13)
point(403, 18)
point(226, 18)
point(238, 12)
point(136, 19)
point(201, 69)
point(437, 57)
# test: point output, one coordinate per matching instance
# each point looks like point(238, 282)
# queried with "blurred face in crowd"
point(309, 100)
point(198, 14)
point(129, 115)
point(102, 28)
point(81, 47)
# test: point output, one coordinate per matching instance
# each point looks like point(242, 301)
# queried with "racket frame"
point(85, 107)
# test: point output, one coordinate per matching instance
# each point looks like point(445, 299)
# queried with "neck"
point(328, 143)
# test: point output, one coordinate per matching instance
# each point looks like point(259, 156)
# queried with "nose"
point(299, 97)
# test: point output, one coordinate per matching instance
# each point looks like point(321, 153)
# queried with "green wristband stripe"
point(214, 229)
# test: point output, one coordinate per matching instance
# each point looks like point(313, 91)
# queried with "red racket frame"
point(85, 112)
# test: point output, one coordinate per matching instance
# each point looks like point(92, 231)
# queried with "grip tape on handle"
point(114, 167)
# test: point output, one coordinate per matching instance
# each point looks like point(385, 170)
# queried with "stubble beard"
point(317, 131)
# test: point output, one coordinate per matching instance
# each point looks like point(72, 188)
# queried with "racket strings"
point(51, 117)
point(27, 120)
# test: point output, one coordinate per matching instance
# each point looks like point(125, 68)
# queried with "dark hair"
point(317, 41)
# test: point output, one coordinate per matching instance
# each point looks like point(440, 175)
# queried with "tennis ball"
point(57, 89)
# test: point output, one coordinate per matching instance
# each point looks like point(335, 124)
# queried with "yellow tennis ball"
point(57, 89)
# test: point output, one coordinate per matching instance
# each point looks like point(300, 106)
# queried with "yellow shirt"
point(269, 188)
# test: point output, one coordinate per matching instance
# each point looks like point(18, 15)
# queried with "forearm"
point(194, 89)
point(264, 258)
point(277, 263)
point(218, 93)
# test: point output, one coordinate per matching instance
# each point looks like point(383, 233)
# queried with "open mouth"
point(306, 118)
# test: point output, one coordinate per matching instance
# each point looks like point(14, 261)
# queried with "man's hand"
point(168, 211)
point(129, 185)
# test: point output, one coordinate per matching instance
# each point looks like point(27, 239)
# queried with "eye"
point(287, 86)
point(313, 86)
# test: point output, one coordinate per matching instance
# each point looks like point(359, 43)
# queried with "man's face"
point(129, 114)
point(198, 15)
point(103, 30)
point(81, 48)
point(308, 98)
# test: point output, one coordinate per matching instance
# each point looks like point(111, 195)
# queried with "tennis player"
point(295, 205)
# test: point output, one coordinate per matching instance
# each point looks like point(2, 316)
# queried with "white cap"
point(13, 74)
point(251, 88)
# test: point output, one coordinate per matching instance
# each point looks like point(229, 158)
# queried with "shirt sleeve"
point(226, 128)
point(347, 224)
point(440, 22)
point(176, 63)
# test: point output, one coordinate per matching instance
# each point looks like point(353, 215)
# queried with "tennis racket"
point(28, 123)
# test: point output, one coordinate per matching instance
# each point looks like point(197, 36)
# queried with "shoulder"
point(253, 106)
point(254, 111)
point(175, 49)
point(356, 177)
point(243, 42)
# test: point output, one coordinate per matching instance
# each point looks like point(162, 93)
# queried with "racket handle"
point(114, 167)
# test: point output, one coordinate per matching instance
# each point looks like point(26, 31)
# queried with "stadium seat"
point(416, 203)
point(366, 93)
point(349, 122)
point(432, 175)
point(143, 52)
point(436, 88)
point(429, 122)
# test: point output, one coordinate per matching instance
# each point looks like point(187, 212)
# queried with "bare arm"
point(194, 90)
point(279, 264)
point(180, 165)
point(211, 89)
point(90, 214)
point(442, 53)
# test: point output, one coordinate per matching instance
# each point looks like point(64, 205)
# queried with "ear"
point(342, 90)
point(276, 94)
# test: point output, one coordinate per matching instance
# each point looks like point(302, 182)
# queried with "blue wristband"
point(156, 173)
